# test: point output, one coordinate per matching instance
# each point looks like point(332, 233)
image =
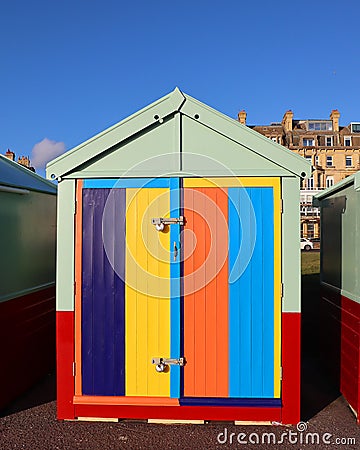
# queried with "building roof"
point(14, 175)
point(202, 126)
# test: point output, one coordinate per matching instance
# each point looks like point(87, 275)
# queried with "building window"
point(329, 181)
point(319, 181)
point(329, 161)
point(348, 161)
point(355, 127)
point(320, 126)
point(308, 158)
point(308, 142)
point(316, 160)
point(310, 183)
point(310, 230)
point(347, 141)
point(328, 141)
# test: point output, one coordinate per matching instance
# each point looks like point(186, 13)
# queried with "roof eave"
point(139, 121)
point(278, 154)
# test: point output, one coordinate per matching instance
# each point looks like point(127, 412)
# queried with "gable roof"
point(155, 115)
point(14, 175)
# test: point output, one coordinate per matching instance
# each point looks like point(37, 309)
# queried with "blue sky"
point(71, 68)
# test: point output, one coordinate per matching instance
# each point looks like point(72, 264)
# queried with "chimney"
point(287, 121)
point(9, 154)
point(335, 116)
point(24, 161)
point(242, 117)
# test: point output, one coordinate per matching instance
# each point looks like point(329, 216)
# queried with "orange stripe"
point(206, 309)
point(199, 256)
point(210, 311)
point(78, 283)
point(109, 400)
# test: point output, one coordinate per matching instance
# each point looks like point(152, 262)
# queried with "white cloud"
point(45, 151)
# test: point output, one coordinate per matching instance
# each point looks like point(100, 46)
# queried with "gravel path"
point(36, 428)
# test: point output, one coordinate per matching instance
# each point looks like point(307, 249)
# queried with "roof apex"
point(154, 114)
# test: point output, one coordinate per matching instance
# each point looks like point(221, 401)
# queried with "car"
point(306, 245)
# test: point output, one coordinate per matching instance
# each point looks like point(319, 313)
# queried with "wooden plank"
point(97, 419)
point(206, 293)
point(78, 286)
point(147, 292)
point(247, 422)
point(176, 421)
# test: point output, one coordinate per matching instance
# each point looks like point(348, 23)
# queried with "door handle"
point(175, 251)
point(162, 363)
point(160, 222)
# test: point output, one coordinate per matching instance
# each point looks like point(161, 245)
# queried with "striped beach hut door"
point(231, 291)
point(154, 291)
point(129, 312)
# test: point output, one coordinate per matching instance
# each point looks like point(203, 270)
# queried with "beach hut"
point(339, 320)
point(178, 282)
point(27, 278)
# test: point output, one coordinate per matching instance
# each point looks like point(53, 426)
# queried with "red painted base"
point(291, 364)
point(350, 348)
point(180, 412)
point(27, 342)
point(340, 343)
point(288, 413)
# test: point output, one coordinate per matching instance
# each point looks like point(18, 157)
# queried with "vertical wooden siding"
point(147, 292)
point(249, 310)
point(103, 297)
point(205, 299)
point(251, 299)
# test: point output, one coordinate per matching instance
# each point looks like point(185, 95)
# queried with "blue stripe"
point(175, 288)
point(251, 288)
point(126, 183)
point(218, 401)
point(257, 294)
point(248, 236)
point(268, 300)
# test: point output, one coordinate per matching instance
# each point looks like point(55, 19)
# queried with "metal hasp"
point(162, 363)
point(160, 222)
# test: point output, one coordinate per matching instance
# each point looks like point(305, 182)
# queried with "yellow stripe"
point(231, 182)
point(147, 292)
point(277, 287)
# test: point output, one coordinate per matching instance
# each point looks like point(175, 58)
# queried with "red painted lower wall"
point(350, 345)
point(289, 413)
point(180, 412)
point(291, 364)
point(65, 357)
point(340, 343)
point(27, 342)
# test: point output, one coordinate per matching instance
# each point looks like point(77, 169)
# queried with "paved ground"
point(37, 428)
point(30, 423)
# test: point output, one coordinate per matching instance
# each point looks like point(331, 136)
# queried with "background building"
point(333, 150)
point(22, 160)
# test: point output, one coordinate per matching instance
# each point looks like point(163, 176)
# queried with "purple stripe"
point(103, 293)
point(225, 401)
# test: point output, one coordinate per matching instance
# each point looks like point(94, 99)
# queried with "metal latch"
point(162, 363)
point(160, 222)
